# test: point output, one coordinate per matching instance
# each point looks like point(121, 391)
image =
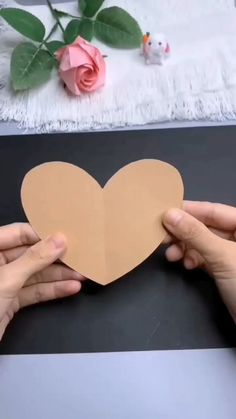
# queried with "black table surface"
point(157, 305)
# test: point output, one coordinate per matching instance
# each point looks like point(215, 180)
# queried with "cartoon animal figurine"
point(155, 48)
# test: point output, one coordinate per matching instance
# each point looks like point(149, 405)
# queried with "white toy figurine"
point(155, 48)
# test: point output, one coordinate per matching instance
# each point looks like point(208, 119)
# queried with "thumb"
point(36, 258)
point(194, 234)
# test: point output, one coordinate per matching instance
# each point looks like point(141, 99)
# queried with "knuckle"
point(227, 256)
point(16, 305)
point(4, 272)
point(213, 211)
point(34, 279)
point(35, 253)
point(191, 231)
point(23, 227)
point(3, 260)
point(58, 290)
point(9, 315)
point(38, 295)
point(60, 273)
point(223, 260)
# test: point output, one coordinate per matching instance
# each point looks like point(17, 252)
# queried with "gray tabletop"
point(165, 385)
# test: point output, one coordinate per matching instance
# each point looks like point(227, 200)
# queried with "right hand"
point(203, 235)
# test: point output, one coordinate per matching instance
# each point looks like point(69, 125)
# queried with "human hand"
point(203, 235)
point(27, 272)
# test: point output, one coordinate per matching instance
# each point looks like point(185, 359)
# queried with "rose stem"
point(55, 16)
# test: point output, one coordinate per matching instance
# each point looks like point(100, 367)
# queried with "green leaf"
point(115, 27)
point(30, 66)
point(89, 8)
point(82, 5)
point(54, 46)
point(86, 29)
point(77, 28)
point(24, 22)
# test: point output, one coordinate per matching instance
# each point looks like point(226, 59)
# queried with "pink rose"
point(82, 67)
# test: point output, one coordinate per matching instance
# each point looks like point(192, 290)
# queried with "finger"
point(192, 259)
point(12, 254)
point(194, 234)
point(17, 234)
point(3, 325)
point(175, 252)
point(214, 215)
point(9, 255)
point(54, 273)
point(39, 293)
point(169, 239)
point(227, 235)
point(35, 259)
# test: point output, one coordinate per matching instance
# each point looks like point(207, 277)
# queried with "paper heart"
point(109, 230)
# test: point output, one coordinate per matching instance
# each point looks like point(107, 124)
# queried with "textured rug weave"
point(197, 82)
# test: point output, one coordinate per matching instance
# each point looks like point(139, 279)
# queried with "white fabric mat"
point(198, 82)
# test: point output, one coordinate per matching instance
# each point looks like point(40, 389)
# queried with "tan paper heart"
point(109, 230)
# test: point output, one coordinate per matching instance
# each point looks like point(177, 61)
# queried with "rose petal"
point(74, 57)
point(101, 77)
point(81, 42)
point(91, 82)
point(85, 74)
point(79, 57)
point(65, 60)
point(69, 78)
point(93, 52)
point(60, 53)
point(86, 79)
point(82, 67)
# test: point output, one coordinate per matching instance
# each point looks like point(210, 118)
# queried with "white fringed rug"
point(198, 82)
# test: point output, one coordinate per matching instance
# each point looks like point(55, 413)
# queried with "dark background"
point(156, 306)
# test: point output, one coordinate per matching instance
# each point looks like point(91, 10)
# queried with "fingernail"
point(189, 263)
point(58, 240)
point(173, 216)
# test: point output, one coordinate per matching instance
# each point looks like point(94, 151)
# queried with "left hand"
point(28, 274)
